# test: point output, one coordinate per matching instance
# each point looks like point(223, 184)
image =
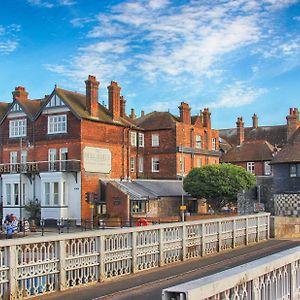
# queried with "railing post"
point(62, 265)
point(247, 232)
point(293, 281)
point(233, 233)
point(161, 247)
point(255, 289)
point(220, 236)
point(184, 241)
point(134, 253)
point(13, 274)
point(257, 235)
point(101, 258)
point(268, 227)
point(203, 239)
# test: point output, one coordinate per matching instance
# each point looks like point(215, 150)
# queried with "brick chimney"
point(292, 121)
point(254, 121)
point(206, 118)
point(114, 99)
point(240, 131)
point(142, 113)
point(185, 113)
point(132, 114)
point(122, 106)
point(92, 87)
point(20, 93)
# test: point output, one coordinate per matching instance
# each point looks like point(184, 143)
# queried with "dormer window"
point(57, 124)
point(16, 107)
point(17, 128)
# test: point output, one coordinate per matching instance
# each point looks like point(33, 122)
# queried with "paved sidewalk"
point(148, 285)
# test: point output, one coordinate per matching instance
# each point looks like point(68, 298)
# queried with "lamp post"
point(182, 199)
point(20, 193)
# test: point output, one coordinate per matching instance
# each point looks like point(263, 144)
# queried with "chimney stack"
point(20, 93)
point(292, 121)
point(122, 106)
point(114, 99)
point(132, 115)
point(254, 121)
point(185, 113)
point(206, 118)
point(240, 131)
point(142, 113)
point(92, 88)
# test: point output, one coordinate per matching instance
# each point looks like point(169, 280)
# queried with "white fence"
point(276, 277)
point(42, 265)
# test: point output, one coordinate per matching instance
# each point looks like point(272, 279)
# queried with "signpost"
point(91, 198)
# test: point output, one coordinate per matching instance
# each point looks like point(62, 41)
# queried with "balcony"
point(36, 167)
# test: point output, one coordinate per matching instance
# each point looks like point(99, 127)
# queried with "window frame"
point(155, 140)
point(154, 163)
point(15, 130)
point(251, 167)
point(133, 138)
point(132, 164)
point(52, 124)
point(141, 139)
point(198, 141)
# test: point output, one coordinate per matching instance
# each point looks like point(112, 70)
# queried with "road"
point(148, 285)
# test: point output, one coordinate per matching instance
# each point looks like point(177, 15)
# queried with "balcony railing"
point(70, 165)
point(190, 150)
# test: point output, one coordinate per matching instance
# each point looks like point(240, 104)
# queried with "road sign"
point(182, 207)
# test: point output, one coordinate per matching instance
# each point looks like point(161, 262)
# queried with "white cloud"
point(237, 94)
point(8, 38)
point(51, 3)
point(177, 43)
point(296, 18)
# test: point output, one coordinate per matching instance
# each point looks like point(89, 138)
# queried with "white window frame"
point(198, 142)
point(133, 138)
point(57, 124)
point(182, 164)
point(155, 140)
point(155, 164)
point(51, 196)
point(138, 206)
point(141, 139)
point(267, 168)
point(52, 158)
point(17, 128)
point(63, 157)
point(55, 101)
point(141, 164)
point(214, 144)
point(132, 164)
point(251, 167)
point(199, 163)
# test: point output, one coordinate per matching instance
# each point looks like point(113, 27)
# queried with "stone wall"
point(245, 202)
point(287, 204)
point(284, 227)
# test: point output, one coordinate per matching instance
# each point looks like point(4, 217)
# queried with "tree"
point(218, 184)
point(33, 209)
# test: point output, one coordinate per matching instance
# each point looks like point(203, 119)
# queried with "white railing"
point(275, 277)
point(41, 265)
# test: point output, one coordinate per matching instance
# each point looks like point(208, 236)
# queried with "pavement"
point(148, 285)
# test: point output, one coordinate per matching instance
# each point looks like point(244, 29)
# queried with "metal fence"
point(42, 265)
point(276, 277)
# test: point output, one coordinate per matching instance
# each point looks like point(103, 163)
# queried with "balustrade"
point(275, 277)
point(41, 265)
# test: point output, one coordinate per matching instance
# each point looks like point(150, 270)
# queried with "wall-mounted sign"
point(96, 160)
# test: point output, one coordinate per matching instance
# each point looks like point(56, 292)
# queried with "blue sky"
point(235, 56)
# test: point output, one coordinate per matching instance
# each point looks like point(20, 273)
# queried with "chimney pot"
point(240, 131)
point(185, 113)
point(20, 93)
point(132, 114)
point(122, 106)
point(142, 113)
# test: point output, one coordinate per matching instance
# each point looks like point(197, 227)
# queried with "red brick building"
point(55, 149)
point(255, 147)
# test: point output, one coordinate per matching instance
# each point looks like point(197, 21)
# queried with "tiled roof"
point(3, 109)
point(291, 151)
point(31, 107)
point(150, 189)
point(77, 103)
point(259, 150)
point(275, 135)
point(157, 120)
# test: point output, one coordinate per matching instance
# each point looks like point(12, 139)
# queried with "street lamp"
point(182, 199)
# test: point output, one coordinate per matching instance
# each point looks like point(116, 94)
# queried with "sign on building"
point(96, 160)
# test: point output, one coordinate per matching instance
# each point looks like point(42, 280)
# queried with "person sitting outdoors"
point(14, 223)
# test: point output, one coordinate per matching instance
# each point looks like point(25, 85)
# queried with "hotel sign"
point(15, 168)
point(96, 160)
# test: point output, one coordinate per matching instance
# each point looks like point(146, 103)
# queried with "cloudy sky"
point(235, 56)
